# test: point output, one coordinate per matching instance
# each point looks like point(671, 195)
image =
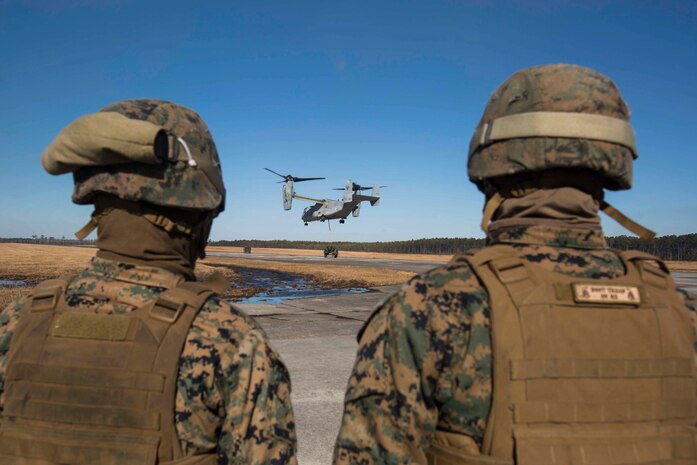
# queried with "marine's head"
point(150, 157)
point(552, 126)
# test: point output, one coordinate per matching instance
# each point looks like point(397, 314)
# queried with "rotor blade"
point(355, 187)
point(305, 179)
point(274, 172)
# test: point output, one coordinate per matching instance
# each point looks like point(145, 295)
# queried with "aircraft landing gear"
point(342, 221)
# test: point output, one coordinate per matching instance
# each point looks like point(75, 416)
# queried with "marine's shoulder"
point(457, 274)
point(13, 309)
point(225, 322)
point(450, 291)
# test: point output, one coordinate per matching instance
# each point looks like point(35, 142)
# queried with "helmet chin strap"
point(490, 207)
point(495, 201)
point(629, 224)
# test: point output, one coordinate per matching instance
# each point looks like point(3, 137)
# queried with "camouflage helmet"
point(190, 177)
point(550, 118)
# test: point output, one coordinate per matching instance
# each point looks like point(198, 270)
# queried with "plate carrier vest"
point(578, 379)
point(87, 388)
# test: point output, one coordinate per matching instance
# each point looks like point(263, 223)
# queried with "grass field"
point(33, 263)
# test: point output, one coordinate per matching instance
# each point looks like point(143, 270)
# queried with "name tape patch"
point(594, 293)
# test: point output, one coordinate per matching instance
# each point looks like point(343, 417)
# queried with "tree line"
point(679, 248)
point(428, 246)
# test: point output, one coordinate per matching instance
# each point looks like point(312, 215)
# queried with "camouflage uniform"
point(424, 362)
point(233, 390)
point(152, 171)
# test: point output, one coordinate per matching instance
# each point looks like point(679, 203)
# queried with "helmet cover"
point(177, 182)
point(559, 88)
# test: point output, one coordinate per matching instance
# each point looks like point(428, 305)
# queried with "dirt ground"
point(682, 266)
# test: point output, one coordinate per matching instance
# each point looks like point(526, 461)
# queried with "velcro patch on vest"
point(603, 294)
point(91, 326)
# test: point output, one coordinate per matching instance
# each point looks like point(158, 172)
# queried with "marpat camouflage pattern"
point(233, 390)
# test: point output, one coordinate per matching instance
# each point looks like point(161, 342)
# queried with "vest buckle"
point(509, 270)
point(46, 299)
point(166, 310)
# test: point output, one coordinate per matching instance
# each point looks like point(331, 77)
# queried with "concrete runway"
point(417, 266)
point(316, 338)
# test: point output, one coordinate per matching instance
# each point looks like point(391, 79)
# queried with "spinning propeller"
point(290, 177)
point(355, 187)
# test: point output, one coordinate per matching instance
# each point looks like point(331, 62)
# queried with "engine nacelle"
point(348, 191)
point(356, 211)
point(288, 193)
point(375, 193)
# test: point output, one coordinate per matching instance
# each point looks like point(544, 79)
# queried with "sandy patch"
point(682, 266)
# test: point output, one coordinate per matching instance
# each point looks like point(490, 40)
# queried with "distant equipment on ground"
point(331, 250)
point(326, 209)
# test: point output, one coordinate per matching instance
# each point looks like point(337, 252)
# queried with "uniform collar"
point(550, 235)
point(133, 274)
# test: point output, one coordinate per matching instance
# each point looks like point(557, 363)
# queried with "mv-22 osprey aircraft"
point(326, 209)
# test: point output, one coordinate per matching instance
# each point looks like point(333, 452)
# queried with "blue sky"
point(380, 92)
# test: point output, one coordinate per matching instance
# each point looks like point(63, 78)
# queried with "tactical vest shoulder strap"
point(496, 266)
point(171, 303)
point(652, 269)
point(169, 319)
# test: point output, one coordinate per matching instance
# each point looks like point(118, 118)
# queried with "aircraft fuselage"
point(329, 210)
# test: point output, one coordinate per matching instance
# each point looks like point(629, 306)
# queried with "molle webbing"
point(610, 383)
point(96, 388)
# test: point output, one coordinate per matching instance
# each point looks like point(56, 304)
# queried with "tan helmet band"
point(554, 124)
point(102, 139)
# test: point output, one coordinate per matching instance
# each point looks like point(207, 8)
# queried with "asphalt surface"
point(417, 266)
point(316, 338)
point(686, 280)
